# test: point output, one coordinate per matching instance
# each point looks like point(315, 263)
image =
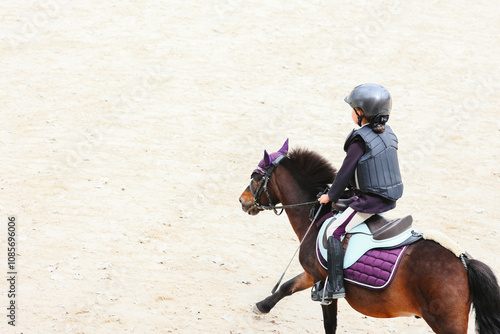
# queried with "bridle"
point(262, 187)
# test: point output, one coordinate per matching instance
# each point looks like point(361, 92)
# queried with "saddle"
point(381, 228)
point(373, 249)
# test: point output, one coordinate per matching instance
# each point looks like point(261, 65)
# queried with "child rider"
point(371, 167)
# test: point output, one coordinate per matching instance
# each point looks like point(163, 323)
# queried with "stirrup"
point(325, 301)
point(318, 293)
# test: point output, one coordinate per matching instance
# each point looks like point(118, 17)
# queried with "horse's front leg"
point(330, 317)
point(298, 283)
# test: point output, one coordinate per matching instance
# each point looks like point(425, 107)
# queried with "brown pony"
point(431, 282)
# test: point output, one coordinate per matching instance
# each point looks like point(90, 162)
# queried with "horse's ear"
point(284, 149)
point(267, 159)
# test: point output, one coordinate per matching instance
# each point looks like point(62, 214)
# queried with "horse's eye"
point(256, 177)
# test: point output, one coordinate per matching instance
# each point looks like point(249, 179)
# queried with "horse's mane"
point(313, 167)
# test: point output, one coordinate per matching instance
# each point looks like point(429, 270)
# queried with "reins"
point(275, 208)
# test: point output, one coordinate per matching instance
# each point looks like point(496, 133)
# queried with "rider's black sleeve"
point(346, 172)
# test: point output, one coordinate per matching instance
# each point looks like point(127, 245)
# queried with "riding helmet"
point(374, 99)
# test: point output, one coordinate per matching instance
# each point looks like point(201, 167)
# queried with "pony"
point(431, 282)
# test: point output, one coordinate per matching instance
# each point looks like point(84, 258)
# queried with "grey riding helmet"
point(374, 99)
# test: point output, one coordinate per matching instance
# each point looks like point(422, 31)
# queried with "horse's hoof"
point(256, 310)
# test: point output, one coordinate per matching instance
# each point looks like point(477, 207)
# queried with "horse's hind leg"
point(447, 307)
point(448, 324)
point(298, 283)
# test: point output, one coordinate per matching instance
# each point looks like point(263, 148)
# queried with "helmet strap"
point(360, 117)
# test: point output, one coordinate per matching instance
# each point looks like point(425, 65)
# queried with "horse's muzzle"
point(249, 207)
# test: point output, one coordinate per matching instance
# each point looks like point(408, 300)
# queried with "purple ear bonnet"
point(265, 163)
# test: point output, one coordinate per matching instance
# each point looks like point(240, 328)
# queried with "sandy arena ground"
point(130, 128)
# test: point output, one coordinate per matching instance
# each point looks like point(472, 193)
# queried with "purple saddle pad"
point(375, 269)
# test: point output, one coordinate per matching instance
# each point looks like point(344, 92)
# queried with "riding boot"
point(335, 286)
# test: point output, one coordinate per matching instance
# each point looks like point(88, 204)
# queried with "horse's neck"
point(291, 193)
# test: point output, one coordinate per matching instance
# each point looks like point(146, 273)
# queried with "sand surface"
point(130, 128)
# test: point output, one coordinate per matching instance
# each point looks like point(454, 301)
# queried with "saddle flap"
point(383, 228)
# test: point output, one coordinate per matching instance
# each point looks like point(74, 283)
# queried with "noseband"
point(262, 187)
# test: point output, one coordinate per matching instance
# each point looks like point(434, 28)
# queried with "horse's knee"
point(300, 282)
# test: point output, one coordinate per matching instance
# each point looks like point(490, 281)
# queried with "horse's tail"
point(485, 294)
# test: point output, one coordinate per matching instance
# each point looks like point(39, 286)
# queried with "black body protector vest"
point(378, 169)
